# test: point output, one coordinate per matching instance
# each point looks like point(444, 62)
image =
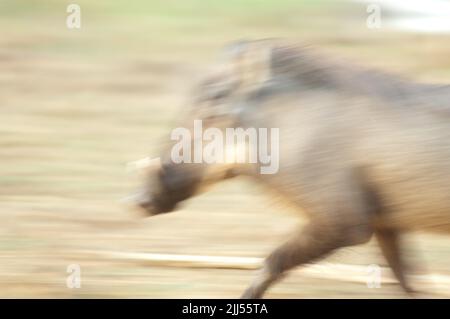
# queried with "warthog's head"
point(166, 184)
point(169, 182)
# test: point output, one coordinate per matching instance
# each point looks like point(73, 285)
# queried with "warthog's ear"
point(251, 62)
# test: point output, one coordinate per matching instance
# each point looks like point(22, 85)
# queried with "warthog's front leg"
point(314, 241)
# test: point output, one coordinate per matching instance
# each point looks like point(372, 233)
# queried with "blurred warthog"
point(361, 152)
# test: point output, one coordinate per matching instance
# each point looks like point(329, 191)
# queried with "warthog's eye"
point(221, 95)
point(216, 94)
point(218, 88)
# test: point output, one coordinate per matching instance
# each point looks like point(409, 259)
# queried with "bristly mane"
point(313, 70)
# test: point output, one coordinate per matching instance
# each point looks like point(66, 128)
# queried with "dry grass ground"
point(76, 105)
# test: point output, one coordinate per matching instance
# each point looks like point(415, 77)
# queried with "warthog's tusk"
point(130, 199)
point(143, 163)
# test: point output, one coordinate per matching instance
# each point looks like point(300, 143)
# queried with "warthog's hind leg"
point(313, 242)
point(388, 240)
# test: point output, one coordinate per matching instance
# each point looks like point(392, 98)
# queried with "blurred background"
point(77, 104)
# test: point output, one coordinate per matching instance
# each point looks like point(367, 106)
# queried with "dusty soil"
point(76, 105)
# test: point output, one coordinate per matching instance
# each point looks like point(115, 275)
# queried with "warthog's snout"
point(152, 198)
point(148, 204)
point(140, 203)
point(167, 184)
point(144, 202)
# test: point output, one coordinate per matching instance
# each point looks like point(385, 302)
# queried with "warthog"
point(361, 152)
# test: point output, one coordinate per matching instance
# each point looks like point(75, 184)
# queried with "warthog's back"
point(395, 133)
